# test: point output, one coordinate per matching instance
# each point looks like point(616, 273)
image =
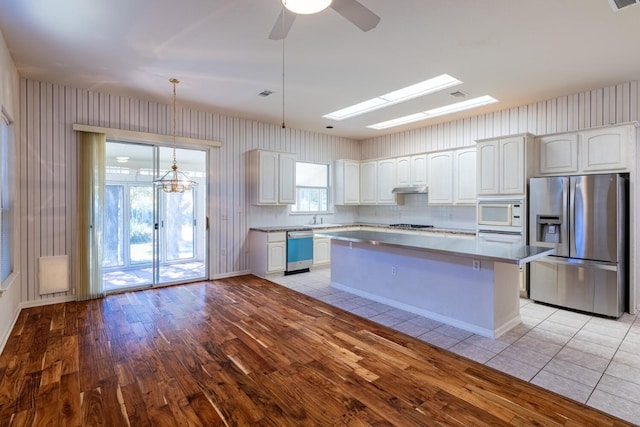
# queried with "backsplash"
point(415, 210)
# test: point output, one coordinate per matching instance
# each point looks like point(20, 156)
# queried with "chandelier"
point(175, 181)
point(306, 7)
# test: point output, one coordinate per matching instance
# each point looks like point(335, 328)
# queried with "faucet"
point(314, 219)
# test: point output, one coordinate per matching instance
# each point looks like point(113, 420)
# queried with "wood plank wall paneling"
point(48, 162)
point(599, 107)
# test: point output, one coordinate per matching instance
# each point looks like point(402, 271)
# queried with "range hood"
point(413, 189)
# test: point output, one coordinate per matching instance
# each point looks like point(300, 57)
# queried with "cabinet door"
point(287, 179)
point(464, 167)
point(266, 175)
point(276, 256)
point(419, 169)
point(512, 176)
point(557, 154)
point(403, 171)
point(386, 177)
point(368, 182)
point(604, 149)
point(347, 182)
point(488, 174)
point(440, 171)
point(321, 251)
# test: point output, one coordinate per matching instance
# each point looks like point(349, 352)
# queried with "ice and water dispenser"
point(548, 229)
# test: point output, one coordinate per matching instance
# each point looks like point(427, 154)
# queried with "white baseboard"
point(47, 301)
point(233, 274)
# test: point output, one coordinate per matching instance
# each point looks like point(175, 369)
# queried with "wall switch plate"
point(394, 270)
point(476, 265)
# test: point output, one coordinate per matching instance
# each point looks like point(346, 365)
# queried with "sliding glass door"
point(151, 237)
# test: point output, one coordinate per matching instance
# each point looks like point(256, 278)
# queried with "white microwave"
point(504, 213)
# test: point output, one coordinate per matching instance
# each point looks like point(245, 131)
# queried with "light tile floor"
point(586, 358)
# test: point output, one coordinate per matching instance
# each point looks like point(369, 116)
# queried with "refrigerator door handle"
point(600, 265)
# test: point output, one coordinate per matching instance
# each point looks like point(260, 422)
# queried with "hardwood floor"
point(245, 351)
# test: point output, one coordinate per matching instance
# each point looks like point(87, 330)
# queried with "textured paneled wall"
point(47, 152)
point(610, 105)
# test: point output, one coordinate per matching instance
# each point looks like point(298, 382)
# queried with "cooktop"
point(410, 226)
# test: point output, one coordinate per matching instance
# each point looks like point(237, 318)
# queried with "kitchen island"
point(465, 283)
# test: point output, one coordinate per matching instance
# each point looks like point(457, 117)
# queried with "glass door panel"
point(114, 250)
point(128, 216)
point(182, 220)
point(141, 225)
point(151, 237)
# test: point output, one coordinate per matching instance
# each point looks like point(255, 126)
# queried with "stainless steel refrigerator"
point(585, 218)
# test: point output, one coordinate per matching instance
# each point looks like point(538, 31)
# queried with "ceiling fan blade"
point(283, 25)
point(356, 13)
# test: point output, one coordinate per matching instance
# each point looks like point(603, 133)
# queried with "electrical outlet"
point(394, 270)
point(476, 265)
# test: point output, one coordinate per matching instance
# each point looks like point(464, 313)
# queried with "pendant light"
point(306, 7)
point(174, 181)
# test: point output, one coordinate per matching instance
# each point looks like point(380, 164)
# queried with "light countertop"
point(321, 228)
point(501, 252)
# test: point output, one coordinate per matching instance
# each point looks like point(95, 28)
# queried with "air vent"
point(458, 94)
point(265, 93)
point(616, 5)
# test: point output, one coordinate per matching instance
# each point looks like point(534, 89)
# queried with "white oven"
point(501, 213)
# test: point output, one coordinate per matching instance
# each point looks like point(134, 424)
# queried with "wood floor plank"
point(246, 352)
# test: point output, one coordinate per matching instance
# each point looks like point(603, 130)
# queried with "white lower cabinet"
point(267, 252)
point(321, 251)
point(276, 256)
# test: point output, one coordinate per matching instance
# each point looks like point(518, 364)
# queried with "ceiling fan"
point(352, 10)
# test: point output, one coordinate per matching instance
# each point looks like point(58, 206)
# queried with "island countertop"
point(500, 252)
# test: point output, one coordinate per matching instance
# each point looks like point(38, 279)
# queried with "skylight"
point(440, 111)
point(435, 84)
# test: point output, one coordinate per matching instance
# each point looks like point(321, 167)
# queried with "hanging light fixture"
point(174, 181)
point(306, 7)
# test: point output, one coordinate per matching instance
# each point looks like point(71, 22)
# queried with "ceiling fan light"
point(306, 7)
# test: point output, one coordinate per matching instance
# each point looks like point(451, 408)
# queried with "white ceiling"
point(514, 50)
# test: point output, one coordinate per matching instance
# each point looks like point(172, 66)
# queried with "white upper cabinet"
point(368, 182)
point(347, 182)
point(440, 171)
point(403, 171)
point(557, 153)
point(488, 159)
point(272, 177)
point(386, 176)
point(605, 149)
point(464, 176)
point(287, 179)
point(411, 170)
point(452, 177)
point(502, 165)
point(512, 165)
point(419, 169)
point(598, 150)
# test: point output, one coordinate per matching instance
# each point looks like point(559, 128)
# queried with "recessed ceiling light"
point(435, 84)
point(122, 159)
point(440, 111)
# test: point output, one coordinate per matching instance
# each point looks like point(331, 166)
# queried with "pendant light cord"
point(175, 82)
point(283, 27)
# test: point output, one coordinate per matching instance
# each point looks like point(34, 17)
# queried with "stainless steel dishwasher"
point(299, 251)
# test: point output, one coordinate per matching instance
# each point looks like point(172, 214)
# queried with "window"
point(312, 188)
point(7, 202)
